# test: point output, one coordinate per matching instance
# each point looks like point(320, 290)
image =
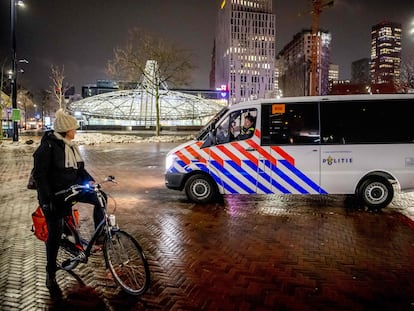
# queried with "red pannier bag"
point(39, 226)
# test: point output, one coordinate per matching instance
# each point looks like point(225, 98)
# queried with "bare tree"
point(4, 99)
point(3, 75)
point(46, 104)
point(58, 89)
point(25, 103)
point(173, 64)
point(407, 76)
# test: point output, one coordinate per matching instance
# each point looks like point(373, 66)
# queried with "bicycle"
point(123, 254)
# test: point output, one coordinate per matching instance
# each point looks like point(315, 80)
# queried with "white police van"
point(354, 144)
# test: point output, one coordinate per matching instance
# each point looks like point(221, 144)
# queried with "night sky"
point(81, 34)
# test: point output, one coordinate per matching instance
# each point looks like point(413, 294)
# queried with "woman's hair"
point(63, 134)
point(250, 118)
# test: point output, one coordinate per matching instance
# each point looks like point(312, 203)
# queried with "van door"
point(233, 159)
point(290, 138)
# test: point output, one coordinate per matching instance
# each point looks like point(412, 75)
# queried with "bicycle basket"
point(39, 226)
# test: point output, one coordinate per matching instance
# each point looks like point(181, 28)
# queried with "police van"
point(353, 144)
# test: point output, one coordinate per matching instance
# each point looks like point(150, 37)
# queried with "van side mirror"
point(210, 140)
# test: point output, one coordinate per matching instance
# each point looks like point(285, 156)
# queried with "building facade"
point(360, 71)
point(294, 64)
point(333, 72)
point(245, 49)
point(333, 76)
point(386, 53)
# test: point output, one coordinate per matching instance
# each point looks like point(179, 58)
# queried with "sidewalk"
point(22, 259)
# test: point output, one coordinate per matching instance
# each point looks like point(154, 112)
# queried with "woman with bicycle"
point(57, 166)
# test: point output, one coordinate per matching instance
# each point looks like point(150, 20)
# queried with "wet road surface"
point(248, 253)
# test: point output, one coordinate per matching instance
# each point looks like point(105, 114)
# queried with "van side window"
point(290, 123)
point(239, 125)
point(369, 121)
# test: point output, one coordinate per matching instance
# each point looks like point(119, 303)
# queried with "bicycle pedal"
point(65, 263)
point(81, 257)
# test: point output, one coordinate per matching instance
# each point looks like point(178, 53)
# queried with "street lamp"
point(13, 16)
point(412, 28)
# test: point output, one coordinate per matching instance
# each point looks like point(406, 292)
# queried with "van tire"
point(375, 192)
point(200, 188)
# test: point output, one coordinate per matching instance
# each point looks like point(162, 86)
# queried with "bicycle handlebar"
point(75, 189)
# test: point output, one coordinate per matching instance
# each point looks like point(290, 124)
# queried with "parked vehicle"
point(354, 144)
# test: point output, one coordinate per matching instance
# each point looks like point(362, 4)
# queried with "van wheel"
point(376, 193)
point(200, 189)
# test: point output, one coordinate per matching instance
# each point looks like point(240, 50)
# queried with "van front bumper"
point(174, 181)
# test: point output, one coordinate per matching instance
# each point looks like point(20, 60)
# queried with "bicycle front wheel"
point(127, 262)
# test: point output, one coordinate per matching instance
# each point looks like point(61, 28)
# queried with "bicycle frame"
point(80, 243)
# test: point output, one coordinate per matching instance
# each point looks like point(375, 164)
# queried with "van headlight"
point(169, 160)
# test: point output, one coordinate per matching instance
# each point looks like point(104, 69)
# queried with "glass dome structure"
point(137, 108)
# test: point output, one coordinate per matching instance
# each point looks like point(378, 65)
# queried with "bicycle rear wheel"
point(127, 262)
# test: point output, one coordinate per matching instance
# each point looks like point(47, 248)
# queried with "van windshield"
point(211, 124)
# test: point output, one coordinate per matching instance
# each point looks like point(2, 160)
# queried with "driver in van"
point(247, 130)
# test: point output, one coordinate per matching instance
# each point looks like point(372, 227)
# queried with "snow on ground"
point(82, 138)
point(99, 138)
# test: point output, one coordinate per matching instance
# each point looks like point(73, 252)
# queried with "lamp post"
point(13, 16)
point(412, 28)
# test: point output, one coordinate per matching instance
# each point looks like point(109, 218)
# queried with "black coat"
point(50, 172)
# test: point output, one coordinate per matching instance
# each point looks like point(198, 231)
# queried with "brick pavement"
point(250, 253)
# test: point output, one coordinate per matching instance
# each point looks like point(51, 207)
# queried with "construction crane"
point(318, 6)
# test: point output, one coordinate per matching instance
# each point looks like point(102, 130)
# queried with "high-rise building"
point(333, 72)
point(212, 77)
point(294, 64)
point(333, 76)
point(360, 71)
point(245, 49)
point(386, 53)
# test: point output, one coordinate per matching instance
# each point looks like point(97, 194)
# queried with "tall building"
point(212, 77)
point(333, 76)
point(386, 53)
point(333, 72)
point(360, 71)
point(294, 64)
point(245, 49)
